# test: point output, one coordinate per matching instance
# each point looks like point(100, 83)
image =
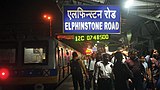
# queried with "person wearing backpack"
point(76, 71)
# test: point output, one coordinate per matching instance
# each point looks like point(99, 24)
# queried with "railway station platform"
point(67, 84)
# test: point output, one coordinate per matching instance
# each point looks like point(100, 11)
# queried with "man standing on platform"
point(137, 69)
point(76, 71)
point(91, 67)
point(104, 74)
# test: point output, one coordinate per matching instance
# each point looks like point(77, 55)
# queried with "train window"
point(34, 55)
point(35, 52)
point(7, 56)
point(8, 52)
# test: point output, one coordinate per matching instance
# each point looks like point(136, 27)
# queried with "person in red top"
point(137, 69)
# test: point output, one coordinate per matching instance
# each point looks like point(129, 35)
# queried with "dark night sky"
point(29, 11)
point(26, 17)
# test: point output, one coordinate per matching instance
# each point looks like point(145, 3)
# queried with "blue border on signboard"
point(91, 19)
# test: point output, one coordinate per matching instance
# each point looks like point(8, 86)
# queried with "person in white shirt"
point(91, 66)
point(86, 61)
point(104, 74)
point(92, 62)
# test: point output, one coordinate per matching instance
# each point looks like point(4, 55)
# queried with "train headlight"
point(4, 73)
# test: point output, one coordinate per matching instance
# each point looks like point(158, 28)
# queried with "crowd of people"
point(118, 71)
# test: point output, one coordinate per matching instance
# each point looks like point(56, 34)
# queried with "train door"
point(65, 67)
point(67, 61)
point(59, 61)
point(62, 63)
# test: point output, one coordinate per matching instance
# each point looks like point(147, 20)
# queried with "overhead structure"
point(142, 20)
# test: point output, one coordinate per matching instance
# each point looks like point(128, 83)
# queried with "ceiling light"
point(128, 3)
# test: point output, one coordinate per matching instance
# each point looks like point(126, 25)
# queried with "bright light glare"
point(128, 3)
point(45, 16)
point(49, 17)
point(4, 73)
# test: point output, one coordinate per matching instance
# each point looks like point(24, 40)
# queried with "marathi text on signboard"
point(91, 19)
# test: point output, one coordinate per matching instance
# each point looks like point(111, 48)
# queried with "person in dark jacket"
point(76, 70)
point(137, 69)
point(121, 72)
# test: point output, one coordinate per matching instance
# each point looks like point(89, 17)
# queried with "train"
point(28, 64)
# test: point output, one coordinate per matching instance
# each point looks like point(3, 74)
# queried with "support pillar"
point(151, 44)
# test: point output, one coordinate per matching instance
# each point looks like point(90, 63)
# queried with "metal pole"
point(50, 25)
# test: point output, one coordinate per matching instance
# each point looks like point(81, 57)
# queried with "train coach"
point(30, 64)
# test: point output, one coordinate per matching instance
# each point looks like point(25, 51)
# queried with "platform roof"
point(142, 20)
